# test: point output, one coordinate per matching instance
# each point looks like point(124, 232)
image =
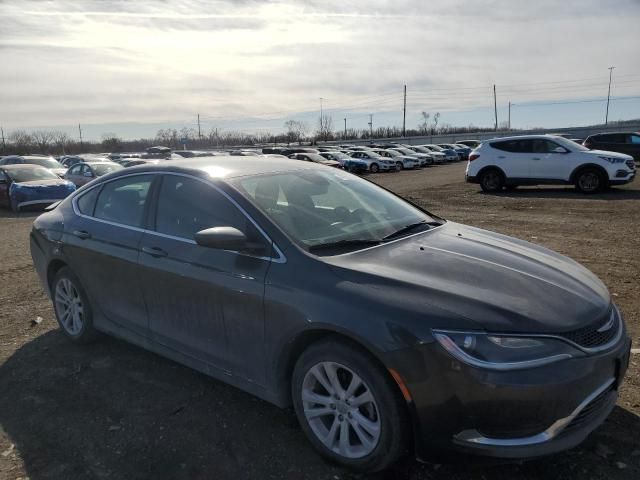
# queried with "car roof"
point(225, 166)
point(522, 137)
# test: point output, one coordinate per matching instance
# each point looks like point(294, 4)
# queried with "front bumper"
point(508, 414)
point(621, 181)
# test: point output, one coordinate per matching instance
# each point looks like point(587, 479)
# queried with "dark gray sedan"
point(386, 327)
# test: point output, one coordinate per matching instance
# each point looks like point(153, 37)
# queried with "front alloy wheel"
point(340, 410)
point(589, 181)
point(349, 406)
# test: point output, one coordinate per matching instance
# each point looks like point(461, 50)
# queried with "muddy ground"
point(114, 411)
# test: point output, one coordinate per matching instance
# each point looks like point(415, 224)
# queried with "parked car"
point(438, 157)
point(546, 159)
point(70, 160)
point(462, 150)
point(375, 162)
point(31, 185)
point(627, 143)
point(49, 163)
point(450, 154)
point(82, 173)
point(424, 157)
point(402, 160)
point(385, 326)
point(314, 157)
point(350, 164)
point(470, 143)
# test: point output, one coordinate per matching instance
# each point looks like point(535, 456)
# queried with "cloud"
point(117, 61)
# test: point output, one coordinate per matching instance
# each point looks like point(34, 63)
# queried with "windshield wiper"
point(357, 242)
point(408, 228)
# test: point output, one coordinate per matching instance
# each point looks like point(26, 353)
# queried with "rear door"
point(204, 303)
point(632, 142)
point(513, 157)
point(102, 244)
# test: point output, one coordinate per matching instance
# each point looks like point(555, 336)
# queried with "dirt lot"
point(114, 411)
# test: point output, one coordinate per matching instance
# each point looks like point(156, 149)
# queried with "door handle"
point(535, 158)
point(82, 234)
point(154, 251)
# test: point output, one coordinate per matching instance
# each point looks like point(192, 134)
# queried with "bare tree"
point(62, 141)
point(21, 141)
point(111, 142)
point(325, 128)
point(436, 117)
point(42, 139)
point(424, 125)
point(296, 130)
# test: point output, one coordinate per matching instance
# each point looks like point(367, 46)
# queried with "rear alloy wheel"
point(589, 180)
point(72, 308)
point(374, 168)
point(348, 407)
point(491, 181)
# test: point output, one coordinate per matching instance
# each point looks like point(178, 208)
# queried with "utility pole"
point(371, 125)
point(80, 130)
point(404, 113)
point(606, 118)
point(4, 146)
point(199, 134)
point(321, 122)
point(345, 128)
point(495, 106)
point(509, 116)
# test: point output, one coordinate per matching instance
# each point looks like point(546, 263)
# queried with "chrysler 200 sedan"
point(386, 327)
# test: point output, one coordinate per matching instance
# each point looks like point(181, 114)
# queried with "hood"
point(58, 171)
point(44, 183)
point(610, 154)
point(465, 277)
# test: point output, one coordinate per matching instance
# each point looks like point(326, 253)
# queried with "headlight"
point(504, 352)
point(611, 159)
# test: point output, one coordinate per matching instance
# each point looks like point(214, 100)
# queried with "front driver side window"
point(187, 205)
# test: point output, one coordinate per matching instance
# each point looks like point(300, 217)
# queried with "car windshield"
point(570, 145)
point(44, 162)
point(104, 168)
point(435, 147)
point(406, 151)
point(339, 155)
point(317, 208)
point(315, 157)
point(29, 174)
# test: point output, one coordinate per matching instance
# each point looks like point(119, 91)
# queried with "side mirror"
point(223, 238)
point(559, 150)
point(87, 174)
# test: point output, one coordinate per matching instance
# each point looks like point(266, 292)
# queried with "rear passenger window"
point(634, 139)
point(87, 202)
point(122, 201)
point(515, 146)
point(186, 206)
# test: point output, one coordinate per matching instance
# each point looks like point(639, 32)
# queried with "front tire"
point(492, 180)
point(374, 168)
point(72, 308)
point(349, 407)
point(590, 181)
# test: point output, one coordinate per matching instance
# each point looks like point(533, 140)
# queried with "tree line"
point(55, 142)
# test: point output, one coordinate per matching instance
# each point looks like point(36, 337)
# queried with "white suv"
point(546, 159)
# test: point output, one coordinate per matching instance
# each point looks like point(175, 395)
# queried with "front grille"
point(592, 410)
point(631, 164)
point(597, 335)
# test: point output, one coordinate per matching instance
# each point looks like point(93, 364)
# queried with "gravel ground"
point(114, 411)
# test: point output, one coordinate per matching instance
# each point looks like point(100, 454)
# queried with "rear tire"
point(399, 166)
point(364, 428)
point(590, 181)
point(72, 308)
point(374, 168)
point(492, 180)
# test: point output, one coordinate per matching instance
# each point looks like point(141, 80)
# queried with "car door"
point(74, 174)
point(550, 164)
point(632, 142)
point(102, 243)
point(4, 189)
point(513, 157)
point(204, 303)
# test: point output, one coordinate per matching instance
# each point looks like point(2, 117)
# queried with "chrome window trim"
point(281, 258)
point(475, 437)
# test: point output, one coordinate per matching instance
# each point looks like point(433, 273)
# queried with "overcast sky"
point(135, 66)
